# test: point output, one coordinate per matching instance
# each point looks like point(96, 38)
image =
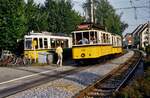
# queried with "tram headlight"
point(83, 55)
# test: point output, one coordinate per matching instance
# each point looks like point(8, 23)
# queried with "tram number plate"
point(82, 49)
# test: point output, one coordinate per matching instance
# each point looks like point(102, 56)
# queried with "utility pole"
point(87, 16)
point(149, 26)
point(148, 32)
point(92, 11)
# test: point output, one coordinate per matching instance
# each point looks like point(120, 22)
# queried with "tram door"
point(35, 43)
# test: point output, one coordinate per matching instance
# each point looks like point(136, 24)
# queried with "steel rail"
point(41, 80)
point(36, 82)
point(112, 75)
point(130, 73)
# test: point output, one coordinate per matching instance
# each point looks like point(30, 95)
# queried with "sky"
point(133, 17)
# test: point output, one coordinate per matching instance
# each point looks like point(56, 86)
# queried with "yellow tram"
point(34, 43)
point(96, 43)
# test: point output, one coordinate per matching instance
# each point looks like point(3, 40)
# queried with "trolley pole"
point(92, 11)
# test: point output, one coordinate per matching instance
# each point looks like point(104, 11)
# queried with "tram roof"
point(89, 26)
point(84, 31)
point(45, 33)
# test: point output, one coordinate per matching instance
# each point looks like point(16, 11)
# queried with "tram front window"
point(84, 37)
point(93, 37)
point(81, 38)
point(78, 38)
point(28, 43)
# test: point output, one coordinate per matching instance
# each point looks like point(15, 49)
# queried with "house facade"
point(141, 36)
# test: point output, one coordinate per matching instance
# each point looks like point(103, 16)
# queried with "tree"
point(71, 18)
point(12, 20)
point(54, 16)
point(61, 16)
point(17, 18)
point(31, 15)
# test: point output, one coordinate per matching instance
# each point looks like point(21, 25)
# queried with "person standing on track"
point(59, 52)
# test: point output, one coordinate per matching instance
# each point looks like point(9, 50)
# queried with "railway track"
point(45, 78)
point(38, 81)
point(42, 80)
point(112, 82)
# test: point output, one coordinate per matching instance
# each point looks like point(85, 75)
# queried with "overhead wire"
point(135, 7)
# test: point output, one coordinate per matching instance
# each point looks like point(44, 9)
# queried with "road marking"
point(25, 77)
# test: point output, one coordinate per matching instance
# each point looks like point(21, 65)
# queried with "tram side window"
point(45, 43)
point(64, 43)
point(53, 43)
point(41, 42)
point(106, 38)
point(103, 38)
point(113, 41)
point(116, 41)
point(120, 42)
point(93, 37)
point(109, 39)
point(58, 42)
point(28, 43)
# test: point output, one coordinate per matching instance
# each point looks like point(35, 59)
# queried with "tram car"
point(90, 42)
point(34, 43)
